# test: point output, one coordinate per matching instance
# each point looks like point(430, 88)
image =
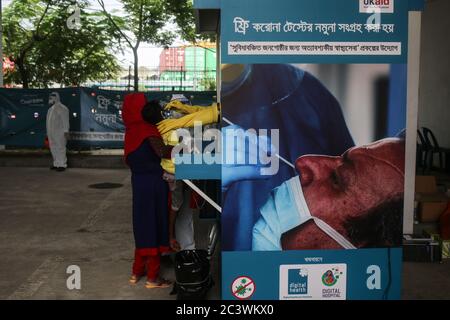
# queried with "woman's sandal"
point(134, 279)
point(159, 283)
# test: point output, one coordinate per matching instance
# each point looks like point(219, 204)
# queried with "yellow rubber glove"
point(168, 127)
point(206, 115)
point(168, 165)
point(170, 138)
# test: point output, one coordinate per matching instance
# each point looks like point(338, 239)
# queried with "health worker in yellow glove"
point(181, 116)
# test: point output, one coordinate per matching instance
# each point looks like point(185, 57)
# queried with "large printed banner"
point(95, 115)
point(312, 174)
point(348, 31)
point(23, 115)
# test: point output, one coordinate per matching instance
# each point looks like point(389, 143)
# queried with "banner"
point(95, 115)
point(349, 31)
point(313, 106)
point(23, 114)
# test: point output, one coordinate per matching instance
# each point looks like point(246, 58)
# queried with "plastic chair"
point(432, 148)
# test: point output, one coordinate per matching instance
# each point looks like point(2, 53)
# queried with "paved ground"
point(88, 159)
point(429, 281)
point(52, 220)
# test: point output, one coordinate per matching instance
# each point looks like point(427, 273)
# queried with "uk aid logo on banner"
point(380, 6)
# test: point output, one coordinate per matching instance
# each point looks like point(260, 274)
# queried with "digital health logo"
point(298, 281)
point(313, 282)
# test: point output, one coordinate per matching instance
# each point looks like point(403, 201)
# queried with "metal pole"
point(218, 69)
point(203, 195)
point(181, 78)
point(415, 23)
point(195, 68)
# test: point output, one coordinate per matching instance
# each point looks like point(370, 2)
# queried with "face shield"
point(285, 210)
point(170, 113)
point(53, 98)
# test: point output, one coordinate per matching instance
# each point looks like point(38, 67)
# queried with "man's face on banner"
point(338, 189)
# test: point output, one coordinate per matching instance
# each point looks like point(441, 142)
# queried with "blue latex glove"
point(254, 146)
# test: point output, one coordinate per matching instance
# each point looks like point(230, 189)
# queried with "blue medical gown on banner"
point(309, 120)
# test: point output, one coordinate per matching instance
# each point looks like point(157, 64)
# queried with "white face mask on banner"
point(285, 210)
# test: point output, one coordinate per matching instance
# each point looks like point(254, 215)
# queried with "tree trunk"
point(23, 73)
point(136, 69)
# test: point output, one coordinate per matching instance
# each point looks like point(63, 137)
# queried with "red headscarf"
point(136, 129)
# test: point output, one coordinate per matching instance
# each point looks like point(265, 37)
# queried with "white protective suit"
point(57, 129)
point(184, 224)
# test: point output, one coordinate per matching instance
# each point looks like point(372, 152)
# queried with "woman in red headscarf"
point(143, 151)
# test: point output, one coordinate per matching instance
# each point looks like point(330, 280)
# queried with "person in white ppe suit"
point(57, 131)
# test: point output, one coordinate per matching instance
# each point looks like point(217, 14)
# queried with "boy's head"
point(151, 112)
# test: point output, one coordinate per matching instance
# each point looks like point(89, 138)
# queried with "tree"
point(45, 51)
point(145, 21)
point(148, 21)
point(21, 29)
point(208, 84)
point(79, 55)
point(184, 18)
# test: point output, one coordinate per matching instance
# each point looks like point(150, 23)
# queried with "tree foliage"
point(184, 18)
point(46, 51)
point(157, 22)
point(145, 22)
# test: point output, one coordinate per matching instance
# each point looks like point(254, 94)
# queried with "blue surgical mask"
point(285, 210)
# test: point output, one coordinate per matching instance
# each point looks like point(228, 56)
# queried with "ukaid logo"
point(313, 281)
point(376, 6)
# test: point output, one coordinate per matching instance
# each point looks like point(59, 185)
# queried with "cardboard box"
point(445, 249)
point(426, 185)
point(431, 210)
point(431, 202)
